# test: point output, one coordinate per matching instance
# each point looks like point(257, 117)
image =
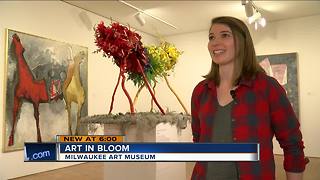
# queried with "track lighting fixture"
point(253, 14)
point(254, 17)
point(249, 9)
point(140, 18)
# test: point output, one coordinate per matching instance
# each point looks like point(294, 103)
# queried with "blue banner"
point(40, 152)
point(157, 148)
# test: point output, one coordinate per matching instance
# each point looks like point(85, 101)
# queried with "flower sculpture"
point(126, 48)
point(162, 60)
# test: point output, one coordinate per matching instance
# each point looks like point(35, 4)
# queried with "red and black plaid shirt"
point(261, 111)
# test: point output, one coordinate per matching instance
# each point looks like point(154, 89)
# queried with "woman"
point(238, 103)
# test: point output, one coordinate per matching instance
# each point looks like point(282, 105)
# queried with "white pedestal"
point(147, 170)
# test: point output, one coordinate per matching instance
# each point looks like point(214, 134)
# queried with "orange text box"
point(62, 138)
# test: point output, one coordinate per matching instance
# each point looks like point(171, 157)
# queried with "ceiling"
point(192, 16)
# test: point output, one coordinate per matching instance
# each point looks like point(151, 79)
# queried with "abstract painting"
point(38, 74)
point(283, 67)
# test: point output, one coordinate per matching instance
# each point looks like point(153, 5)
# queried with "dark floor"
point(94, 171)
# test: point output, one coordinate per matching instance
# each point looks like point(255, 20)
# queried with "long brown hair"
point(246, 65)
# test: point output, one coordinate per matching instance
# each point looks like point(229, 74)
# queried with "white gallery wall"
point(62, 22)
point(301, 35)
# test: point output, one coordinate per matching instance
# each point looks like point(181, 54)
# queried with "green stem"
point(137, 95)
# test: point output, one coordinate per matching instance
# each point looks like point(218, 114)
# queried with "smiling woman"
point(221, 45)
point(239, 103)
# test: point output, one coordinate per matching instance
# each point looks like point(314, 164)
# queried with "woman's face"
point(221, 44)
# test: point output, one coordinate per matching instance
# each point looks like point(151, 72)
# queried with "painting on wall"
point(46, 87)
point(283, 67)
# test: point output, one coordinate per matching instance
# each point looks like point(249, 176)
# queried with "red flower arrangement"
point(122, 44)
point(126, 48)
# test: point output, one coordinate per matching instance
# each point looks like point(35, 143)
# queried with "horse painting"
point(72, 88)
point(43, 86)
point(27, 88)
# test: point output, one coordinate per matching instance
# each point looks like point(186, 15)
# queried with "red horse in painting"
point(27, 88)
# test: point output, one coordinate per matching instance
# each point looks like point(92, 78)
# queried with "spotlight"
point(262, 22)
point(253, 14)
point(254, 17)
point(255, 25)
point(248, 9)
point(140, 18)
point(244, 2)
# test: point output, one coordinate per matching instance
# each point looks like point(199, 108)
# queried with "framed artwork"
point(46, 89)
point(284, 68)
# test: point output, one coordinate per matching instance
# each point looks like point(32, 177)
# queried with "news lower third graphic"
point(112, 148)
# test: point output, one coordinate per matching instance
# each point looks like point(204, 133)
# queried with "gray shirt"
point(222, 133)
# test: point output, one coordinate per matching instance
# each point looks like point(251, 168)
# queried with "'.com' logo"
point(39, 152)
